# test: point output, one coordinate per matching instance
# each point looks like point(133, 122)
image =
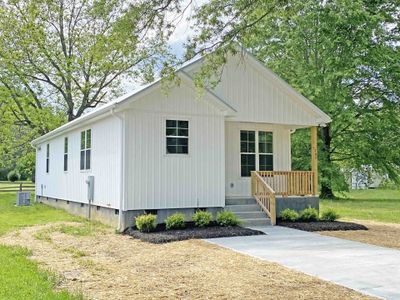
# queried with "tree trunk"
point(70, 114)
point(326, 174)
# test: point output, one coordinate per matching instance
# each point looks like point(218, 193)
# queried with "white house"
point(164, 152)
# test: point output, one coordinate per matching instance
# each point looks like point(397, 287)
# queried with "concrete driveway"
point(368, 269)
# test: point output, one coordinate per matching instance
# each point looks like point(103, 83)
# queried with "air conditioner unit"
point(23, 198)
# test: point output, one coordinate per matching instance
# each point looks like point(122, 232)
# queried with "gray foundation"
point(110, 216)
point(296, 203)
point(162, 214)
point(104, 215)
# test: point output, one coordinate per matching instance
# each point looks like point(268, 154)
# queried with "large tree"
point(343, 55)
point(60, 58)
point(72, 54)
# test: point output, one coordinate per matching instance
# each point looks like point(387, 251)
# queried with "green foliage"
point(227, 218)
point(74, 53)
point(16, 153)
point(175, 221)
point(329, 215)
point(3, 173)
point(289, 215)
point(202, 218)
point(309, 214)
point(339, 54)
point(388, 184)
point(13, 176)
point(60, 58)
point(146, 222)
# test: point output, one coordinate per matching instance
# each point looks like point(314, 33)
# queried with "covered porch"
point(266, 186)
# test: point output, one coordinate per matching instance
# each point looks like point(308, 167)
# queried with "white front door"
point(249, 147)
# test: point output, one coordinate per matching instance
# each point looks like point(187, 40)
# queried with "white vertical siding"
point(237, 186)
point(260, 96)
point(155, 180)
point(71, 185)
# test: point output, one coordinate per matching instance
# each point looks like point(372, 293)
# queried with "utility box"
point(23, 198)
point(90, 183)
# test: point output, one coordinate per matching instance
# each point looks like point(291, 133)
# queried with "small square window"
point(177, 137)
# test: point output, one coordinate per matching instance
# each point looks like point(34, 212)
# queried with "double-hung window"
point(47, 158)
point(177, 133)
point(256, 151)
point(65, 154)
point(265, 153)
point(86, 148)
point(247, 152)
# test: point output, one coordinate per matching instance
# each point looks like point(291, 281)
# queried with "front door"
point(249, 147)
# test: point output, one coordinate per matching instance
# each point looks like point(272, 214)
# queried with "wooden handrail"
point(290, 183)
point(264, 195)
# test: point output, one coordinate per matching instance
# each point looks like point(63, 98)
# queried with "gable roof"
point(257, 64)
point(132, 96)
point(182, 71)
point(323, 118)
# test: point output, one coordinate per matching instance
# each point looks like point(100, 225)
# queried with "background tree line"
point(60, 58)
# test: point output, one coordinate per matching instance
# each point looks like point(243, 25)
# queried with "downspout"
point(122, 169)
point(36, 162)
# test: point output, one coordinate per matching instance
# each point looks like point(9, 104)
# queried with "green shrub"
point(13, 176)
point(330, 215)
point(146, 222)
point(309, 214)
point(227, 218)
point(202, 218)
point(175, 221)
point(289, 215)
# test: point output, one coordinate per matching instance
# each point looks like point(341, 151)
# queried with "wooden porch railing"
point(264, 195)
point(265, 185)
point(290, 183)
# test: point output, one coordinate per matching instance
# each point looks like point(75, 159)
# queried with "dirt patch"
point(323, 226)
point(190, 232)
point(111, 266)
point(380, 234)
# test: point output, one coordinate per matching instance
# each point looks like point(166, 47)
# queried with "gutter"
point(122, 168)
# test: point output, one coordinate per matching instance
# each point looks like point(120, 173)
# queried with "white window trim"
point(47, 165)
point(257, 153)
point(67, 153)
point(164, 126)
point(91, 150)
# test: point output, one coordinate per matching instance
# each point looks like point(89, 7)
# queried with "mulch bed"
point(323, 226)
point(160, 235)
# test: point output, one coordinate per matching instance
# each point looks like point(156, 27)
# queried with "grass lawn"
point(20, 277)
point(12, 217)
point(97, 264)
point(373, 205)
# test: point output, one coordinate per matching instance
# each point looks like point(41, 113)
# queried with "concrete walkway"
point(368, 269)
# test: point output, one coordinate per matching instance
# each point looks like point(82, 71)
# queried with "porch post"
point(314, 159)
